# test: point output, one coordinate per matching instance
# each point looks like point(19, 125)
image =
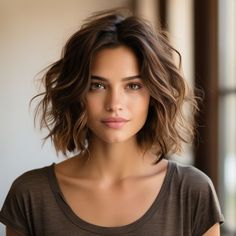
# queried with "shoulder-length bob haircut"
point(62, 107)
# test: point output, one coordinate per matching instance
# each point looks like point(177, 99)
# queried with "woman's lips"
point(115, 123)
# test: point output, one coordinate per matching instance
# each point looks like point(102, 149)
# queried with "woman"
point(116, 98)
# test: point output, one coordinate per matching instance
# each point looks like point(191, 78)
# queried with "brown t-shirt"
point(186, 205)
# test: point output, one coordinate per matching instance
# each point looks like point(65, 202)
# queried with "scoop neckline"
point(75, 219)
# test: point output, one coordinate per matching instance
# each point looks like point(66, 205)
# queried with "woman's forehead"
point(120, 60)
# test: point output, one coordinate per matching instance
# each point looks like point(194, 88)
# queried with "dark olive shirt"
point(186, 205)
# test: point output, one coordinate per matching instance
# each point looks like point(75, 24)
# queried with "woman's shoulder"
point(198, 195)
point(196, 186)
point(191, 177)
point(34, 179)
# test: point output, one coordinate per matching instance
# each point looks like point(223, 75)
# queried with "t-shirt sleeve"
point(14, 211)
point(206, 207)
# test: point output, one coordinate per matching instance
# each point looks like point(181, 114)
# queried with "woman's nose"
point(114, 100)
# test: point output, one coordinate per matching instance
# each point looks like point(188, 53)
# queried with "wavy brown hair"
point(62, 107)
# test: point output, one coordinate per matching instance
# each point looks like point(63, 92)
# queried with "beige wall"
point(148, 9)
point(32, 34)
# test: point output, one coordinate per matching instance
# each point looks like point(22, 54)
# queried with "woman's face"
point(117, 102)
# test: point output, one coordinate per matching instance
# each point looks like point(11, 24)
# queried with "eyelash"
point(96, 86)
point(136, 85)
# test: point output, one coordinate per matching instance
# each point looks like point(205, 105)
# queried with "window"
point(227, 112)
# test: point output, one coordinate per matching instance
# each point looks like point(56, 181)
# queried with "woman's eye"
point(134, 86)
point(97, 86)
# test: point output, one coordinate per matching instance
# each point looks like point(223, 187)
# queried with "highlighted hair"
point(67, 81)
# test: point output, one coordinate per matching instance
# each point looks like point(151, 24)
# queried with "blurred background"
point(204, 31)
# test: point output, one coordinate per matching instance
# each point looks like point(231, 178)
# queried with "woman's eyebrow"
point(95, 77)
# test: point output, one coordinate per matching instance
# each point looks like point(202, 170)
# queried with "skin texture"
point(116, 164)
point(213, 231)
point(116, 91)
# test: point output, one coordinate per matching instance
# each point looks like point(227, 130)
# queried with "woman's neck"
point(116, 161)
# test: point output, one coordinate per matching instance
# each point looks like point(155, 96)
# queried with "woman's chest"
point(112, 206)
